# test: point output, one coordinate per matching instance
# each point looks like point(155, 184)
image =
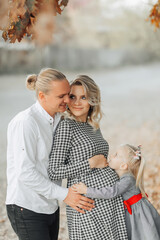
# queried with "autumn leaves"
point(35, 19)
point(155, 15)
point(30, 18)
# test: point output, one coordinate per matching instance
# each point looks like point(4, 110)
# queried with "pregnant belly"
point(105, 211)
point(96, 178)
point(100, 178)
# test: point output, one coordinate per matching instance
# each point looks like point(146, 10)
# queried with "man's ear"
point(124, 166)
point(41, 96)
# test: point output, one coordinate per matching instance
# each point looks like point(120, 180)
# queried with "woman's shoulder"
point(66, 123)
point(72, 123)
point(67, 120)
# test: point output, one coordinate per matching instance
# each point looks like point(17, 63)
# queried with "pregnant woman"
point(77, 139)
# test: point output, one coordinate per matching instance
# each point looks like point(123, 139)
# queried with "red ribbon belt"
point(131, 201)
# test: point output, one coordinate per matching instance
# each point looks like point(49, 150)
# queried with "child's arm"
point(107, 192)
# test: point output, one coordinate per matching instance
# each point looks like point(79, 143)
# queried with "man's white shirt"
point(30, 138)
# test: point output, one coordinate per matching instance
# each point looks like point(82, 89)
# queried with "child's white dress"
point(143, 221)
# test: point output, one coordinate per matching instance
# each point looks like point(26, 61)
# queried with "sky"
point(129, 3)
point(112, 8)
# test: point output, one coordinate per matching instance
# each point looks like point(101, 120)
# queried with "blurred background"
point(90, 34)
point(112, 42)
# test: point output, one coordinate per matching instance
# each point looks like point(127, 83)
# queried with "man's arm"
point(24, 135)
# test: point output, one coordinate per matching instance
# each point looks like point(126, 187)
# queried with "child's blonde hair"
point(136, 165)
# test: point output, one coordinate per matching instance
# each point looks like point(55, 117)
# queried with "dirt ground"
point(130, 103)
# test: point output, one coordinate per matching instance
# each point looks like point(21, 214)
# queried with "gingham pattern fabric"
point(74, 143)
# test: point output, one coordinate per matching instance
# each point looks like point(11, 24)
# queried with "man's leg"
point(54, 227)
point(29, 225)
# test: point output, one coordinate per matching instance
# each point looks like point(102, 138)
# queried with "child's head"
point(118, 161)
point(128, 159)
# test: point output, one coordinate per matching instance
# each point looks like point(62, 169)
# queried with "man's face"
point(57, 98)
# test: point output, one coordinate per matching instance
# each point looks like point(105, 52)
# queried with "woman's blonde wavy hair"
point(94, 99)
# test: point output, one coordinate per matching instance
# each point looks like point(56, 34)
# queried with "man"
point(31, 201)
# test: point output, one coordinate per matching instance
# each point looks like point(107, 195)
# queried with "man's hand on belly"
point(78, 202)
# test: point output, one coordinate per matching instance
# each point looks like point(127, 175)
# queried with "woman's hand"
point(98, 161)
point(80, 188)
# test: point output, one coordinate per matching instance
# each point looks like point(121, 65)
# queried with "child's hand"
point(80, 188)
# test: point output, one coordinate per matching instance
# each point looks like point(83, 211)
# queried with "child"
point(142, 219)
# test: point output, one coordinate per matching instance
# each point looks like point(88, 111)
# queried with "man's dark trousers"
point(29, 225)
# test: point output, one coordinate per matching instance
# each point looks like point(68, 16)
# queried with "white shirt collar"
point(49, 118)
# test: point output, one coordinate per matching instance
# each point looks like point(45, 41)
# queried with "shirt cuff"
point(62, 193)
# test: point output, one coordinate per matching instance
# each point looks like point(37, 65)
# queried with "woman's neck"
point(81, 119)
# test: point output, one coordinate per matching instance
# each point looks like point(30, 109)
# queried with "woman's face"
point(78, 104)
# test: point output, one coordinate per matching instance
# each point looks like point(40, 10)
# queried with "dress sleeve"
point(59, 168)
point(118, 188)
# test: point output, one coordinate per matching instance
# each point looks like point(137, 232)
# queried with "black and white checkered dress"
point(74, 143)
